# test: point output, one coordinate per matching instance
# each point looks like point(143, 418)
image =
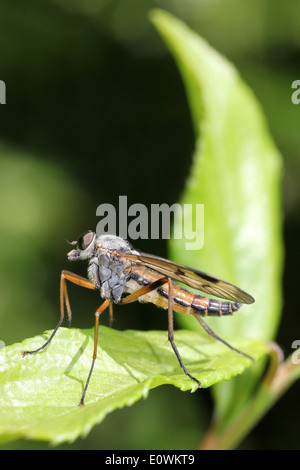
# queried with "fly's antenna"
point(71, 243)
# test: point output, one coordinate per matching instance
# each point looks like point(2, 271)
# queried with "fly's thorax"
point(113, 274)
point(107, 270)
point(112, 242)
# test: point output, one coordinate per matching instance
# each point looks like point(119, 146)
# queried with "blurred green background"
point(96, 109)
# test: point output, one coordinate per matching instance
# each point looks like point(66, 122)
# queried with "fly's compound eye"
point(85, 240)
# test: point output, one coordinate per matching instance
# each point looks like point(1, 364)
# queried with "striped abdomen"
point(184, 301)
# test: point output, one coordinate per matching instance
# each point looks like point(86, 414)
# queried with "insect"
point(115, 269)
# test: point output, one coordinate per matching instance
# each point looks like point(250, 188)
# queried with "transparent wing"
point(191, 277)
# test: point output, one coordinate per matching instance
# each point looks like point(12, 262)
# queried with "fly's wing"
point(191, 277)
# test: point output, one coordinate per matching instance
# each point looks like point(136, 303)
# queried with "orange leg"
point(64, 299)
point(98, 312)
point(171, 333)
point(144, 290)
point(108, 303)
point(111, 314)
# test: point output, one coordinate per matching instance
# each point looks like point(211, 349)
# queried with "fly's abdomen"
point(184, 301)
point(211, 307)
point(187, 302)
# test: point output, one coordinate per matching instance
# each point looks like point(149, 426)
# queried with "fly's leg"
point(98, 312)
point(111, 314)
point(211, 333)
point(171, 333)
point(108, 303)
point(67, 302)
point(145, 290)
point(64, 300)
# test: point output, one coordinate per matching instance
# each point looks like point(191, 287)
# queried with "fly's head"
point(88, 245)
point(85, 247)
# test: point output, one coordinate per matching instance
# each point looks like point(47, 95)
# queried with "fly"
point(115, 269)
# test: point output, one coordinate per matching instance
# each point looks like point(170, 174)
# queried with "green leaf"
point(39, 393)
point(236, 174)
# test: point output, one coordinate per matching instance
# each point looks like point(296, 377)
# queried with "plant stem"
point(277, 380)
